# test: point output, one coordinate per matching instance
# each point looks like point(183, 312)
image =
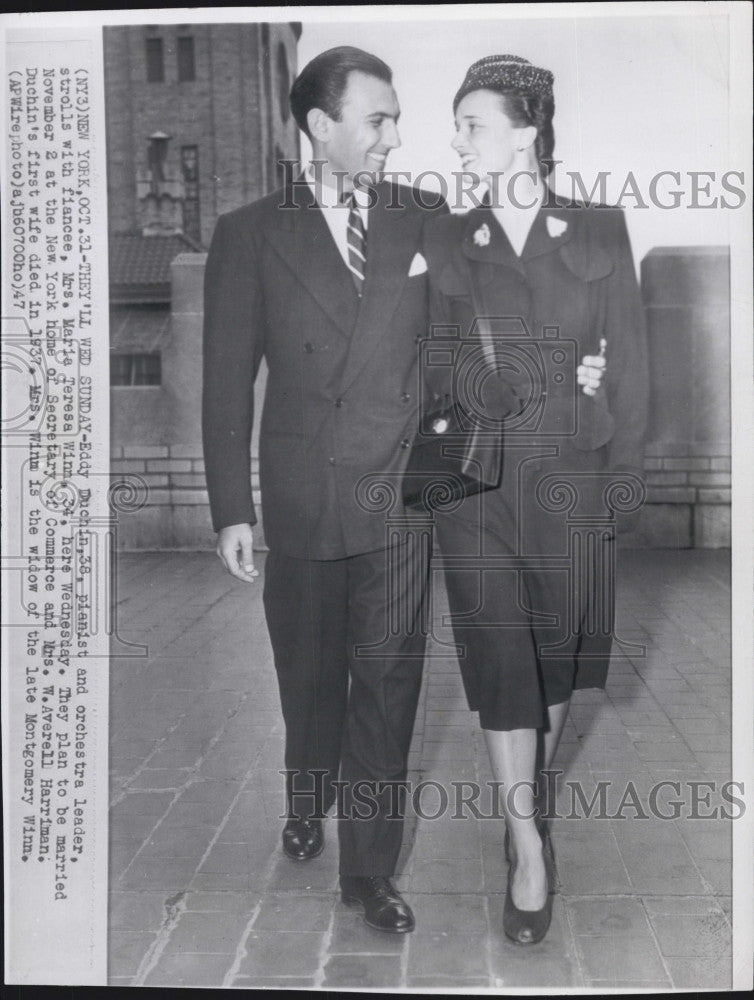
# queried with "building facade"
point(198, 121)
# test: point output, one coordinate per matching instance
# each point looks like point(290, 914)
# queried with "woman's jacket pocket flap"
point(587, 264)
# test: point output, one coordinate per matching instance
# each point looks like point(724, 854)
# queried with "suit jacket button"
point(405, 443)
point(339, 403)
point(406, 397)
point(308, 348)
point(331, 461)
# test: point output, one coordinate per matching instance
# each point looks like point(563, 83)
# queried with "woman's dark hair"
point(524, 109)
point(323, 81)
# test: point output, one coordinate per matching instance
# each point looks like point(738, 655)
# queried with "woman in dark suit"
point(553, 290)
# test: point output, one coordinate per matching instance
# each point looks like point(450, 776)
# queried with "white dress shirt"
point(336, 215)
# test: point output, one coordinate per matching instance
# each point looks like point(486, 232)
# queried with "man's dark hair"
point(323, 81)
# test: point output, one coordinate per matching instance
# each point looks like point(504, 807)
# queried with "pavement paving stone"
point(274, 982)
point(189, 969)
point(122, 853)
point(621, 958)
point(449, 984)
point(713, 973)
point(627, 985)
point(689, 935)
point(137, 909)
point(221, 881)
point(437, 913)
point(448, 876)
point(201, 895)
point(316, 876)
point(215, 932)
point(368, 971)
point(717, 874)
point(230, 901)
point(286, 911)
point(446, 953)
point(140, 803)
point(349, 934)
point(125, 952)
point(516, 968)
point(231, 859)
point(281, 953)
point(584, 877)
point(158, 873)
point(610, 917)
point(158, 778)
point(656, 873)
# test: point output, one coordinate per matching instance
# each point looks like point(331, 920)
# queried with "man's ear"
point(319, 124)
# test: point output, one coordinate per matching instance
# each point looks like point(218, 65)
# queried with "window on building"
point(135, 369)
point(284, 82)
point(155, 61)
point(186, 60)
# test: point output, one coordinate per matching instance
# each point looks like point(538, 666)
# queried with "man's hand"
point(234, 547)
point(589, 373)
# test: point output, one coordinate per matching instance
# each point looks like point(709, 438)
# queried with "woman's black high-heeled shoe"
point(527, 926)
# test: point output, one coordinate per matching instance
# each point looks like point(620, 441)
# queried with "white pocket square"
point(418, 266)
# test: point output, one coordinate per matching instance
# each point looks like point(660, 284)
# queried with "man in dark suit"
point(334, 296)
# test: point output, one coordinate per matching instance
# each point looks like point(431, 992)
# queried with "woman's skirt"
point(531, 605)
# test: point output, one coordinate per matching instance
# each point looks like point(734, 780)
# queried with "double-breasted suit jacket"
point(341, 393)
point(341, 405)
point(573, 286)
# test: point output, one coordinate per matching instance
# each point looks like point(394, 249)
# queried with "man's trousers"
point(359, 619)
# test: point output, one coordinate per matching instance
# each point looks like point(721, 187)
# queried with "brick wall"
point(171, 485)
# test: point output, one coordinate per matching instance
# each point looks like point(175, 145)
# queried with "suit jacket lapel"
point(485, 242)
point(302, 238)
point(390, 247)
point(550, 231)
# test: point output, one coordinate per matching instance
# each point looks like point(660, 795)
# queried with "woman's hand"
point(589, 373)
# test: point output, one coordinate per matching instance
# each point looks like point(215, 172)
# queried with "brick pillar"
point(686, 292)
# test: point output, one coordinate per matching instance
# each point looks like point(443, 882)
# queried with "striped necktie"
point(356, 241)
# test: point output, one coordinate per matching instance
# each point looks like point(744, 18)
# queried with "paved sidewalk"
point(201, 895)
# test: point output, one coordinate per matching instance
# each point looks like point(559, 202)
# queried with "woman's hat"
point(505, 73)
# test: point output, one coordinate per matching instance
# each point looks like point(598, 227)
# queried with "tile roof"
point(140, 265)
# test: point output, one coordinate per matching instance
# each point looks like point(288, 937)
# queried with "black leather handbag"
point(455, 455)
point(451, 459)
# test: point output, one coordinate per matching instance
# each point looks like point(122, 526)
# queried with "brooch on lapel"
point(482, 235)
point(556, 227)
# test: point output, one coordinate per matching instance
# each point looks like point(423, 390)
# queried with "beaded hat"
point(505, 73)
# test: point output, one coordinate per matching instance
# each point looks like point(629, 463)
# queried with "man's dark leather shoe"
point(303, 839)
point(384, 907)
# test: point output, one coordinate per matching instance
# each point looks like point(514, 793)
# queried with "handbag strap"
point(483, 322)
